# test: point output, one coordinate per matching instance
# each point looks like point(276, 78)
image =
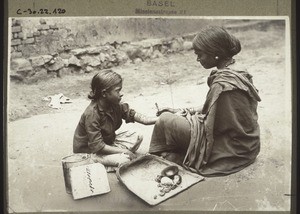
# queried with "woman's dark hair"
point(104, 80)
point(215, 40)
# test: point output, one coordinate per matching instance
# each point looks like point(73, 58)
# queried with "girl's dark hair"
point(105, 79)
point(215, 40)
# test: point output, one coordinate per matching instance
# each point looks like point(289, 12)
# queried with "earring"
point(216, 57)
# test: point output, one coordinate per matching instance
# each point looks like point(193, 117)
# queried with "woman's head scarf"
point(216, 41)
point(104, 80)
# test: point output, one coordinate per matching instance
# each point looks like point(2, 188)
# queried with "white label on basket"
point(89, 180)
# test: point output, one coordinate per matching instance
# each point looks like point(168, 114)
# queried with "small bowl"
point(170, 171)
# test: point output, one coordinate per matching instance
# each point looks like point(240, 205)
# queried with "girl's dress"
point(222, 139)
point(98, 128)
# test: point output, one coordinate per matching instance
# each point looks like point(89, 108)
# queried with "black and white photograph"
point(156, 113)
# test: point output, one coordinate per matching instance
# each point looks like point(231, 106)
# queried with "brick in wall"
point(13, 22)
point(17, 23)
point(20, 35)
point(29, 35)
point(37, 33)
point(16, 29)
point(44, 32)
point(43, 27)
point(38, 39)
point(15, 42)
point(19, 47)
point(16, 55)
point(29, 41)
point(42, 21)
point(54, 27)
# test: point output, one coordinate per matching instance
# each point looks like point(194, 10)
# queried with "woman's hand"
point(181, 112)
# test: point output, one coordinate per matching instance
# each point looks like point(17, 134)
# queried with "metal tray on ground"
point(139, 177)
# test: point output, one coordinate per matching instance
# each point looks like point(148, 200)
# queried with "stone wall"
point(91, 31)
point(40, 50)
point(17, 37)
point(88, 59)
point(27, 43)
point(51, 50)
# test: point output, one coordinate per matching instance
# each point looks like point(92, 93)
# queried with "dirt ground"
point(38, 136)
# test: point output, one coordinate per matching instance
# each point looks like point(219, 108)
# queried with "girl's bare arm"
point(192, 110)
point(140, 118)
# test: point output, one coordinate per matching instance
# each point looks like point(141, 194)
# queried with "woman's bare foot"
point(137, 144)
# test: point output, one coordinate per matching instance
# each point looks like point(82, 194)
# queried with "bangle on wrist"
point(191, 110)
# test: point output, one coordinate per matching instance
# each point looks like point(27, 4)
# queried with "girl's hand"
point(164, 109)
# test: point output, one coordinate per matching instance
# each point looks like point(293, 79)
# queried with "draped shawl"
point(202, 124)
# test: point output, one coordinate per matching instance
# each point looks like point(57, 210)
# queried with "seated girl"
point(96, 131)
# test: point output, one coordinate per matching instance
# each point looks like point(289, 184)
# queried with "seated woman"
point(222, 137)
